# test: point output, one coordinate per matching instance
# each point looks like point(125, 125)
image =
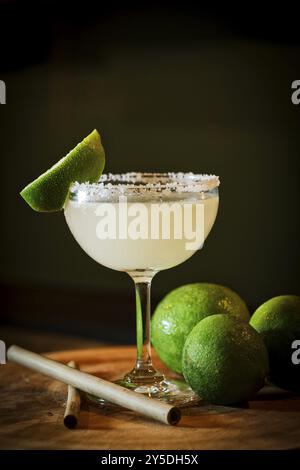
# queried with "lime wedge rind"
point(85, 163)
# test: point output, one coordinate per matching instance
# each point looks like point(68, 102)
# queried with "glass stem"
point(143, 372)
point(143, 313)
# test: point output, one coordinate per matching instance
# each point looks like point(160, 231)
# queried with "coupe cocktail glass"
point(119, 223)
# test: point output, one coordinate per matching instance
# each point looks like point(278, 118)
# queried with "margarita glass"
point(119, 223)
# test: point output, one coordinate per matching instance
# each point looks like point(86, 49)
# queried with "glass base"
point(174, 392)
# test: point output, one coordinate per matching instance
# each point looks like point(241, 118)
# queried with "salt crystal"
point(135, 183)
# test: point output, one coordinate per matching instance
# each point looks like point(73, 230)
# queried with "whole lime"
point(278, 321)
point(181, 309)
point(225, 361)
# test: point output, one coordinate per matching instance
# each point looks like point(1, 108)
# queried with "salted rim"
point(144, 183)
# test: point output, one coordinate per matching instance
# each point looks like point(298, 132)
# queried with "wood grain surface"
point(32, 409)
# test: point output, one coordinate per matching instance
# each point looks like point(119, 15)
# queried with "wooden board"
point(32, 408)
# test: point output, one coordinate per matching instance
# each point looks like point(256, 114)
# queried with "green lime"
point(85, 162)
point(224, 360)
point(278, 321)
point(181, 309)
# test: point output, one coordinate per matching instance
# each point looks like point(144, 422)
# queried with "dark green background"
point(190, 93)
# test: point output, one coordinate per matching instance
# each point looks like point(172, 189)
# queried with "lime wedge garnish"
point(84, 163)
